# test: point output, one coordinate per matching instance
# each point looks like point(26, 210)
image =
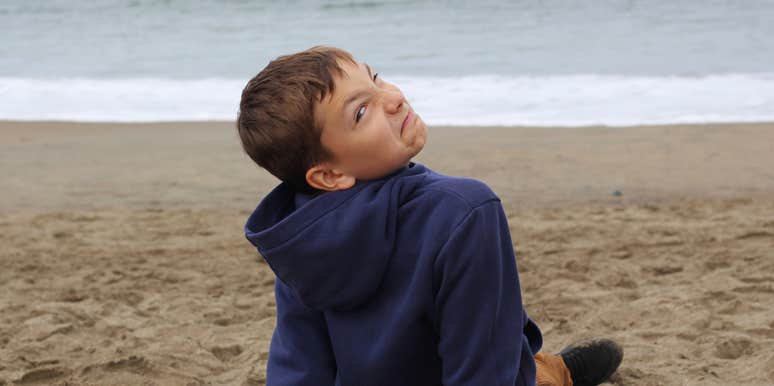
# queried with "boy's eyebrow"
point(353, 98)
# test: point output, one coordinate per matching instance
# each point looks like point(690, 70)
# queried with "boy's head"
point(320, 120)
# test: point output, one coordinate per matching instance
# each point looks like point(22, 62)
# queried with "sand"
point(124, 262)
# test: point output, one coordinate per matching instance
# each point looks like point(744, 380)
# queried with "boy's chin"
point(414, 152)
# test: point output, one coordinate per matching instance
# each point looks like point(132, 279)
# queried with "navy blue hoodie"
point(409, 280)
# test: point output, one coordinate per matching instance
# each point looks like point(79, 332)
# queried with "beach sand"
point(124, 261)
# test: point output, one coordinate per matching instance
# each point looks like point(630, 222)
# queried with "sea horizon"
point(614, 63)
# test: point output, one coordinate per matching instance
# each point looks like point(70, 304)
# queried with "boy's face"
point(368, 125)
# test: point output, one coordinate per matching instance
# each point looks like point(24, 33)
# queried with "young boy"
point(387, 272)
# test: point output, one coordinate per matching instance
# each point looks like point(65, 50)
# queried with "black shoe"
point(592, 361)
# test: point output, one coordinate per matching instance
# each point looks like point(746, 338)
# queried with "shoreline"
point(55, 165)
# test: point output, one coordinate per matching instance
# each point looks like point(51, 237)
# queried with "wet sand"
point(124, 260)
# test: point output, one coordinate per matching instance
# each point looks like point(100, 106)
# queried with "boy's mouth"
point(406, 121)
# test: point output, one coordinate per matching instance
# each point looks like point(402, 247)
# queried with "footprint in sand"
point(662, 270)
point(130, 298)
point(621, 254)
point(226, 353)
point(71, 295)
point(737, 307)
point(42, 376)
point(132, 364)
point(733, 348)
point(718, 261)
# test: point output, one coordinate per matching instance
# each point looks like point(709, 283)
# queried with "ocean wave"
point(567, 100)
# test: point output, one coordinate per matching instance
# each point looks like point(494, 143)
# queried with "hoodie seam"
point(452, 192)
point(471, 204)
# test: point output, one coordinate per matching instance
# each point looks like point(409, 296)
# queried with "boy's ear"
point(324, 177)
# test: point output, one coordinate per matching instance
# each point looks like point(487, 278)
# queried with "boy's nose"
point(393, 101)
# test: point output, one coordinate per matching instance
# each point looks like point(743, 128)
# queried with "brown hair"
point(276, 114)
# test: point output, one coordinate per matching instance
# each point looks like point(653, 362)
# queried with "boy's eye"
point(361, 110)
point(359, 113)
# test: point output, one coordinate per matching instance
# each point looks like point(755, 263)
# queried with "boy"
point(387, 272)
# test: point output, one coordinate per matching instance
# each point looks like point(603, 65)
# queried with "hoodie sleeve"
point(300, 353)
point(478, 308)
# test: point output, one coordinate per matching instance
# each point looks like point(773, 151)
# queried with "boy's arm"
point(300, 352)
point(478, 307)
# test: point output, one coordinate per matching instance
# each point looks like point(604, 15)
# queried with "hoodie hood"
point(334, 250)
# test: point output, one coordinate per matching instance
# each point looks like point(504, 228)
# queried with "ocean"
point(540, 63)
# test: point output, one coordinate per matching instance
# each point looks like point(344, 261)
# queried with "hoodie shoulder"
point(468, 191)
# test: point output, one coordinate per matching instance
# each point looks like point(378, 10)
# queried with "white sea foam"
point(577, 100)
